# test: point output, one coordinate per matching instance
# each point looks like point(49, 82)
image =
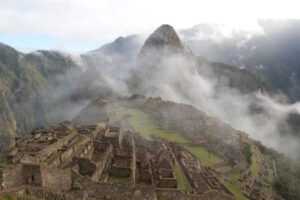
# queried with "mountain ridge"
point(175, 72)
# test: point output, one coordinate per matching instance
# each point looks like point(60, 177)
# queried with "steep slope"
point(229, 93)
point(123, 47)
point(119, 54)
point(244, 165)
point(165, 61)
point(16, 83)
point(27, 81)
point(160, 47)
point(272, 55)
point(164, 40)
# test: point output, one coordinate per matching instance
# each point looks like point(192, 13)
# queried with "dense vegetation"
point(287, 181)
point(247, 152)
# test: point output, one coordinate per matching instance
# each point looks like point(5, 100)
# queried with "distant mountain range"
point(273, 52)
point(44, 79)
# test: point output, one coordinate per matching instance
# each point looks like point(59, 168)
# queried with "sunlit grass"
point(183, 183)
point(206, 158)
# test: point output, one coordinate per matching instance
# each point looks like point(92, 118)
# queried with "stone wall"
point(41, 193)
point(86, 167)
point(32, 175)
point(167, 194)
point(102, 158)
point(13, 177)
point(46, 153)
point(57, 179)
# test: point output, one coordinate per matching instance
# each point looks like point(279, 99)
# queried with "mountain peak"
point(163, 37)
point(166, 34)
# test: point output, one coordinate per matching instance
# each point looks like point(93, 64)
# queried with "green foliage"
point(207, 158)
point(234, 186)
point(288, 179)
point(284, 187)
point(7, 197)
point(247, 153)
point(183, 183)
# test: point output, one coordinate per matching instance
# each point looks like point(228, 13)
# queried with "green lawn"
point(183, 183)
point(206, 158)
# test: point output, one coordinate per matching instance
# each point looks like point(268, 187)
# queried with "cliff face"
point(162, 40)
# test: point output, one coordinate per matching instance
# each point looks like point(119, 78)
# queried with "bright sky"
point(80, 25)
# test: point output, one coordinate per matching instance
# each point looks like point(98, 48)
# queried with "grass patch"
point(149, 128)
point(183, 183)
point(7, 197)
point(248, 153)
point(233, 186)
point(146, 126)
point(3, 161)
point(255, 161)
point(120, 180)
point(206, 158)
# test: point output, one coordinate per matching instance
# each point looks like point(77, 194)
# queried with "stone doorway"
point(32, 175)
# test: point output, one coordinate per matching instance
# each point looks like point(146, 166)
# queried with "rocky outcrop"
point(163, 40)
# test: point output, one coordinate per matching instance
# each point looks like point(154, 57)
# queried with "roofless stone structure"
point(102, 161)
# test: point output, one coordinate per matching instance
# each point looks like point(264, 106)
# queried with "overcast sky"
point(81, 25)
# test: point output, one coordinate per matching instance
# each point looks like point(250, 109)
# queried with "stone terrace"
point(103, 161)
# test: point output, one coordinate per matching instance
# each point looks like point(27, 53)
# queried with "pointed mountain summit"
point(162, 40)
point(161, 51)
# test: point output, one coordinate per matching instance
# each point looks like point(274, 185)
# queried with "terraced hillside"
point(240, 176)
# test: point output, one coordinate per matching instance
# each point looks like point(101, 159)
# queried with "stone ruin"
point(95, 162)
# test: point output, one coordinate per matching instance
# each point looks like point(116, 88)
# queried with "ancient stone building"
point(102, 161)
point(44, 159)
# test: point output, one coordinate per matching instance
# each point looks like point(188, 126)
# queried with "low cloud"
point(176, 78)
